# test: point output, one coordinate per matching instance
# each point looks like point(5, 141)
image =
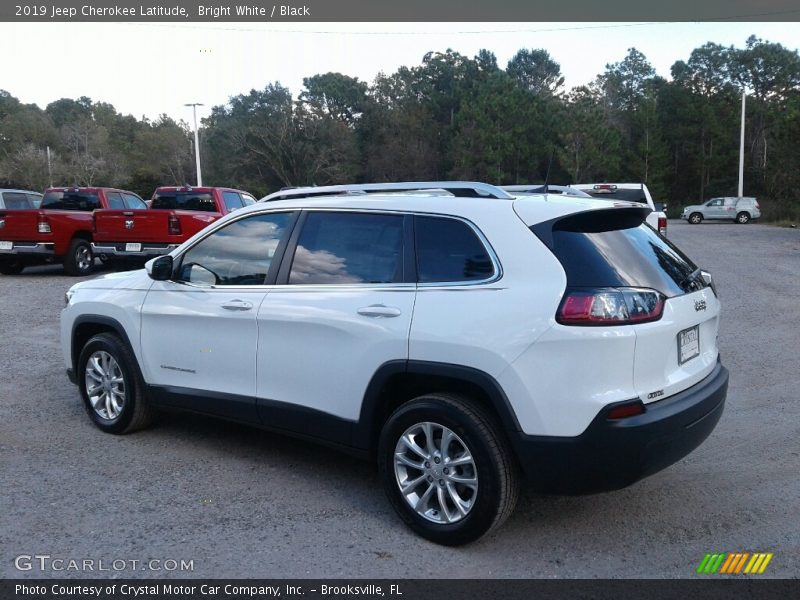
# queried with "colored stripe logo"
point(735, 563)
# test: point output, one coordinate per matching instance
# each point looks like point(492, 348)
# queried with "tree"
point(335, 95)
point(536, 71)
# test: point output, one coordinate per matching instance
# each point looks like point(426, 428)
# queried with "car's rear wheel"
point(695, 218)
point(447, 468)
point(743, 218)
point(111, 385)
point(80, 258)
point(13, 267)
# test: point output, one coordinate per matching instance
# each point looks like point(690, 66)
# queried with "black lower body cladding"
point(614, 453)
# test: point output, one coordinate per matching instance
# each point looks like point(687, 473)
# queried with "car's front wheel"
point(447, 468)
point(695, 218)
point(111, 385)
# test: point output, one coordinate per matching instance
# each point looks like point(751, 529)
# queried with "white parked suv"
point(739, 210)
point(463, 341)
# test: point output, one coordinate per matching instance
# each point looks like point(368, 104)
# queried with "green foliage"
point(451, 116)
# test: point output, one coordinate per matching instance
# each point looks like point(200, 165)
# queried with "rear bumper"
point(612, 454)
point(118, 249)
point(30, 249)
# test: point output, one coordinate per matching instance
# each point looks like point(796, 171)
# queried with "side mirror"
point(160, 268)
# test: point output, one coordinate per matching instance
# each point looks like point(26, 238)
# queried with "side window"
point(238, 254)
point(16, 200)
point(349, 248)
point(35, 200)
point(232, 201)
point(449, 250)
point(114, 200)
point(133, 201)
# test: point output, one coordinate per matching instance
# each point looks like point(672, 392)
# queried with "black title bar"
point(723, 588)
point(310, 11)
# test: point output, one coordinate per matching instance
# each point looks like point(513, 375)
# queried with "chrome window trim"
point(497, 266)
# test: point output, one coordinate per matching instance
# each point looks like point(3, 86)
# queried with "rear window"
point(636, 256)
point(79, 201)
point(200, 201)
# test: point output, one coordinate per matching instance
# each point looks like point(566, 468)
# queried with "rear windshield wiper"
point(690, 279)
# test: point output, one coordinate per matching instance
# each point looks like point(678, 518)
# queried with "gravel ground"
point(243, 503)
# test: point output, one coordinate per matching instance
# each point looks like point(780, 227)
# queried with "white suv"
point(461, 341)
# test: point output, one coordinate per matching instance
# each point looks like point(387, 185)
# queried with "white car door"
point(342, 309)
point(199, 333)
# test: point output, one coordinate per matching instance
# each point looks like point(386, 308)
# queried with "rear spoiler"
point(592, 221)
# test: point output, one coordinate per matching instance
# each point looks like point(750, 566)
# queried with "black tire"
point(80, 258)
point(695, 218)
point(135, 412)
point(11, 268)
point(743, 218)
point(494, 466)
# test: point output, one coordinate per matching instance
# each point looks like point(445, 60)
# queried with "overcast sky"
point(149, 69)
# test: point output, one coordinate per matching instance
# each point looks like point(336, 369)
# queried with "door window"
point(337, 248)
point(114, 200)
point(232, 201)
point(240, 253)
point(133, 201)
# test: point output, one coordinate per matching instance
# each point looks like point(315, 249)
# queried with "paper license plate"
point(688, 344)
point(6, 245)
point(133, 247)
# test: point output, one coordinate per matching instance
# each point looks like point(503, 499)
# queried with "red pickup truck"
point(60, 230)
point(175, 215)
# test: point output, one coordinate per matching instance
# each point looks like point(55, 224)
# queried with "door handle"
point(379, 310)
point(237, 305)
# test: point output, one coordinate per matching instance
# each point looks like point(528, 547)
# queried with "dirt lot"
point(243, 503)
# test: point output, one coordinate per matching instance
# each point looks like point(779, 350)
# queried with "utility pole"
point(194, 106)
point(741, 152)
point(49, 167)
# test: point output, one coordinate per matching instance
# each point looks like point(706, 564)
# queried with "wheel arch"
point(87, 326)
point(397, 382)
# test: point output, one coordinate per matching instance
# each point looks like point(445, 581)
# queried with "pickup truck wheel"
point(743, 218)
point(111, 385)
point(11, 268)
point(447, 469)
point(695, 218)
point(80, 258)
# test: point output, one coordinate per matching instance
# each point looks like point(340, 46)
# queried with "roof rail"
point(463, 189)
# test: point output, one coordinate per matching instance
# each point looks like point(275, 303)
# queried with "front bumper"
point(118, 250)
point(614, 453)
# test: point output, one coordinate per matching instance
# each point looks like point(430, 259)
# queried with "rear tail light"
point(758, 206)
point(610, 306)
point(44, 224)
point(662, 225)
point(626, 409)
point(174, 225)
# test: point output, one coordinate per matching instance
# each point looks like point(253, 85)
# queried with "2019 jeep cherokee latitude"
point(462, 342)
